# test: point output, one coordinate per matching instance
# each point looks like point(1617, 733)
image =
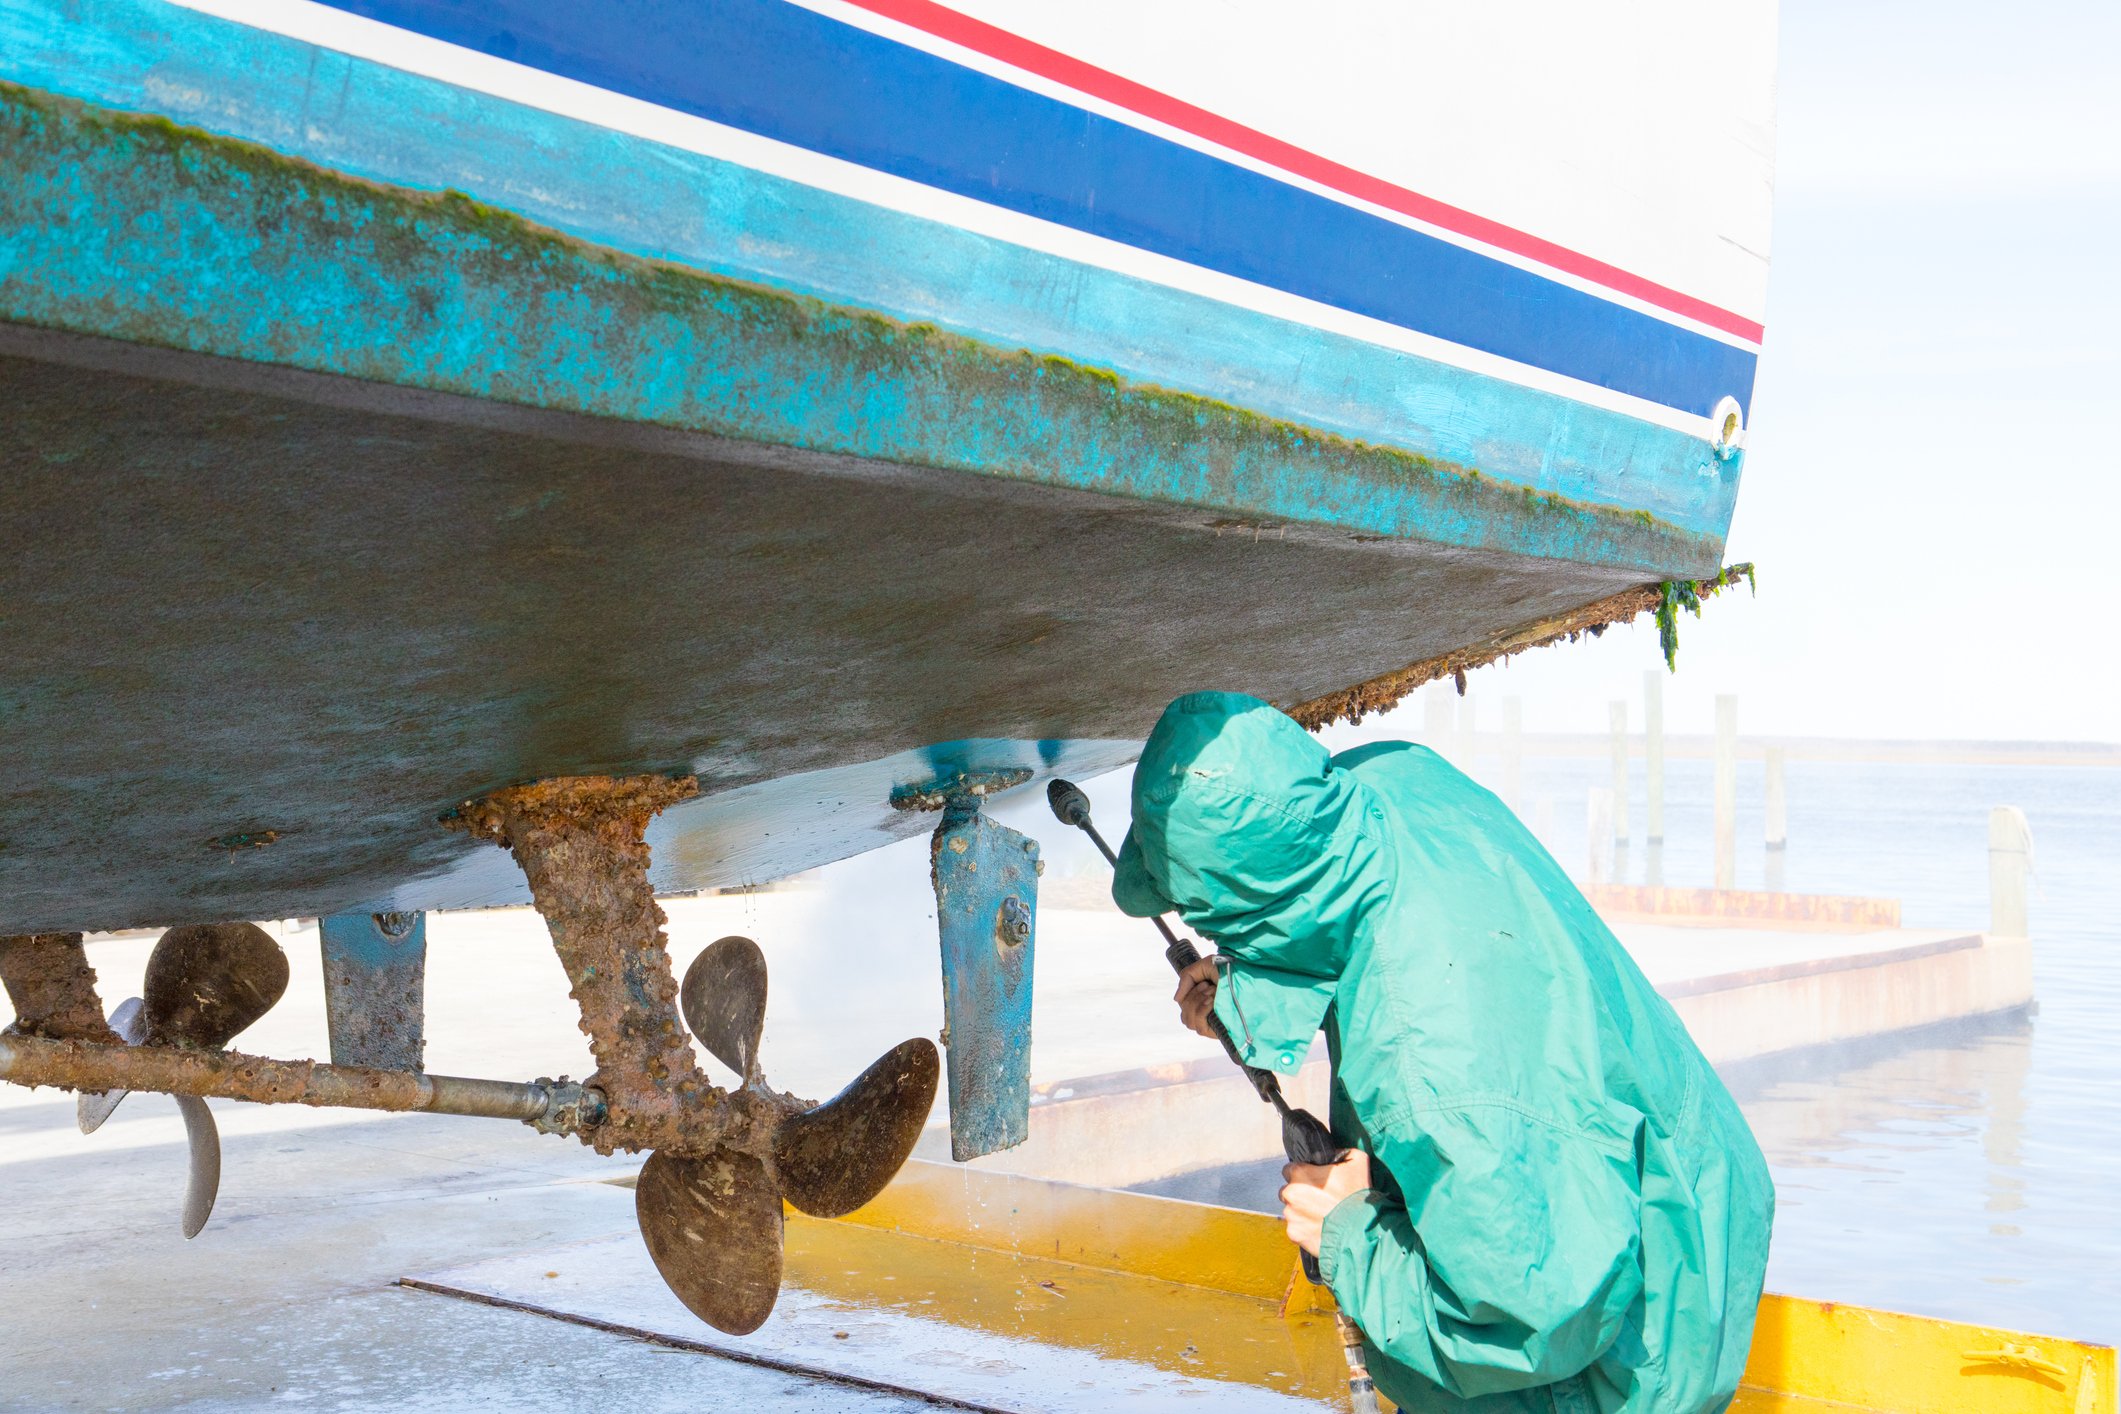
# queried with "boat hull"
point(246, 681)
point(396, 415)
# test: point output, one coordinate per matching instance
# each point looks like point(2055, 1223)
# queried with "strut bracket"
point(986, 901)
point(375, 986)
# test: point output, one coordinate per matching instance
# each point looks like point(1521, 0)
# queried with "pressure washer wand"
point(1302, 1134)
point(1304, 1137)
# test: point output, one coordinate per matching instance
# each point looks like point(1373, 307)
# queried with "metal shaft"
point(1362, 1390)
point(232, 1075)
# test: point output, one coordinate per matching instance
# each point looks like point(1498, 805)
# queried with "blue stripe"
point(369, 120)
point(137, 230)
point(786, 73)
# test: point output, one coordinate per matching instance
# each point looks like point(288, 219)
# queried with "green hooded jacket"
point(1568, 1211)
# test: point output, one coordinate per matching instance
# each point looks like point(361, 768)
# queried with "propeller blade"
point(713, 1225)
point(92, 1107)
point(724, 999)
point(205, 1181)
point(206, 983)
point(838, 1156)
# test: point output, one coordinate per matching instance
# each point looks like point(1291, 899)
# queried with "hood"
point(1245, 828)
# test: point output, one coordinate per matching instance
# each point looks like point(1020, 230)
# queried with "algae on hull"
point(465, 297)
point(1676, 594)
point(1382, 693)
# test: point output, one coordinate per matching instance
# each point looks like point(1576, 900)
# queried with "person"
point(1548, 1201)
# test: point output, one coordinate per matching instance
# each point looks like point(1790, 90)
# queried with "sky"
point(1933, 475)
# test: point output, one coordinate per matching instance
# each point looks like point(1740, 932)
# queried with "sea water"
point(1969, 1171)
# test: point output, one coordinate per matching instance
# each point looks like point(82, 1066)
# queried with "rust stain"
point(243, 839)
point(53, 988)
point(229, 1075)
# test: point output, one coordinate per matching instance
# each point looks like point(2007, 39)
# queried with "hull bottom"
point(264, 627)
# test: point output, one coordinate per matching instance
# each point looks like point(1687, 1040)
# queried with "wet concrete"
point(287, 1297)
point(986, 1328)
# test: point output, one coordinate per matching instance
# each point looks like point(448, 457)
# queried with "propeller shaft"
point(559, 1106)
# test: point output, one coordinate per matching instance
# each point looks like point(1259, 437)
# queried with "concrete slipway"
point(292, 1295)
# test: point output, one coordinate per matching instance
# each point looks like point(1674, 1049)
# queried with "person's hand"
point(1311, 1191)
point(1196, 996)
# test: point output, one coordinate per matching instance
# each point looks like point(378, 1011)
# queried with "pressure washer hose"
point(1304, 1137)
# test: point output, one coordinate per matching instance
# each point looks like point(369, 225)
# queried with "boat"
point(689, 444)
point(411, 399)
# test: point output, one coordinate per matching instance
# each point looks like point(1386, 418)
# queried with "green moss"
point(1230, 442)
point(1687, 594)
point(1060, 363)
point(470, 208)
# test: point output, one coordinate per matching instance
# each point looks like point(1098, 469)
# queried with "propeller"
point(713, 1221)
point(92, 1107)
point(724, 1001)
point(205, 985)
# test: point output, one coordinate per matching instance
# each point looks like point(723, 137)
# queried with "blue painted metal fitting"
point(375, 988)
point(986, 903)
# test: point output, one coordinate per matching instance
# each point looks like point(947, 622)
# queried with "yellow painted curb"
point(1807, 1355)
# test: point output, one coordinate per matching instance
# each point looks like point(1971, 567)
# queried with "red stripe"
point(1138, 98)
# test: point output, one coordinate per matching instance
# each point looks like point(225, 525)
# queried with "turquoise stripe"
point(131, 228)
point(774, 828)
point(652, 200)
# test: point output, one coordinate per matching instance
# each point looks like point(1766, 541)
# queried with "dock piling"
point(1438, 711)
point(1726, 791)
point(1512, 751)
point(1600, 833)
point(1778, 819)
point(1653, 758)
point(1619, 717)
point(2010, 869)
